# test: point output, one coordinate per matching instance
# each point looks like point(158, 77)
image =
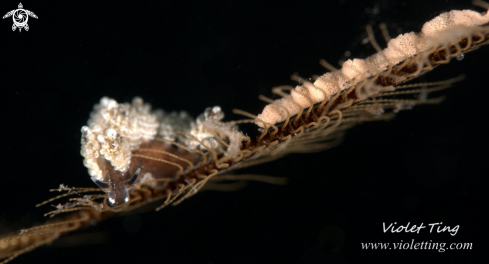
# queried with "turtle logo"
point(20, 17)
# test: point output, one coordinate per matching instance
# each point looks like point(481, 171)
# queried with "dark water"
point(426, 166)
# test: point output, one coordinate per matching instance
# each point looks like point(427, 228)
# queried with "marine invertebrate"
point(154, 103)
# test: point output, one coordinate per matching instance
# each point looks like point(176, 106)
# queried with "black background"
point(428, 165)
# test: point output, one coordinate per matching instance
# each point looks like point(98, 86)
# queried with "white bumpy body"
point(116, 130)
point(440, 31)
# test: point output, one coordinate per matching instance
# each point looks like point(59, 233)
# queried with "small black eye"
point(100, 184)
point(134, 177)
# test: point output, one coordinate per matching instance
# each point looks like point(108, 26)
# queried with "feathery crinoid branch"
point(140, 157)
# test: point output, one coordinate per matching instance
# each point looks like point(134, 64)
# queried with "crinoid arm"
point(138, 157)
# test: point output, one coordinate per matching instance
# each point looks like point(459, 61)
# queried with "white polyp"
point(113, 131)
point(402, 47)
point(378, 62)
point(331, 82)
point(466, 18)
point(299, 96)
point(205, 128)
point(440, 31)
point(355, 69)
point(278, 108)
point(272, 114)
point(315, 93)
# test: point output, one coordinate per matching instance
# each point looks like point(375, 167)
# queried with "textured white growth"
point(113, 131)
point(442, 30)
point(203, 129)
point(208, 125)
point(454, 18)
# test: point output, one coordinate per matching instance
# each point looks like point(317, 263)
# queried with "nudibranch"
point(138, 156)
point(127, 144)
